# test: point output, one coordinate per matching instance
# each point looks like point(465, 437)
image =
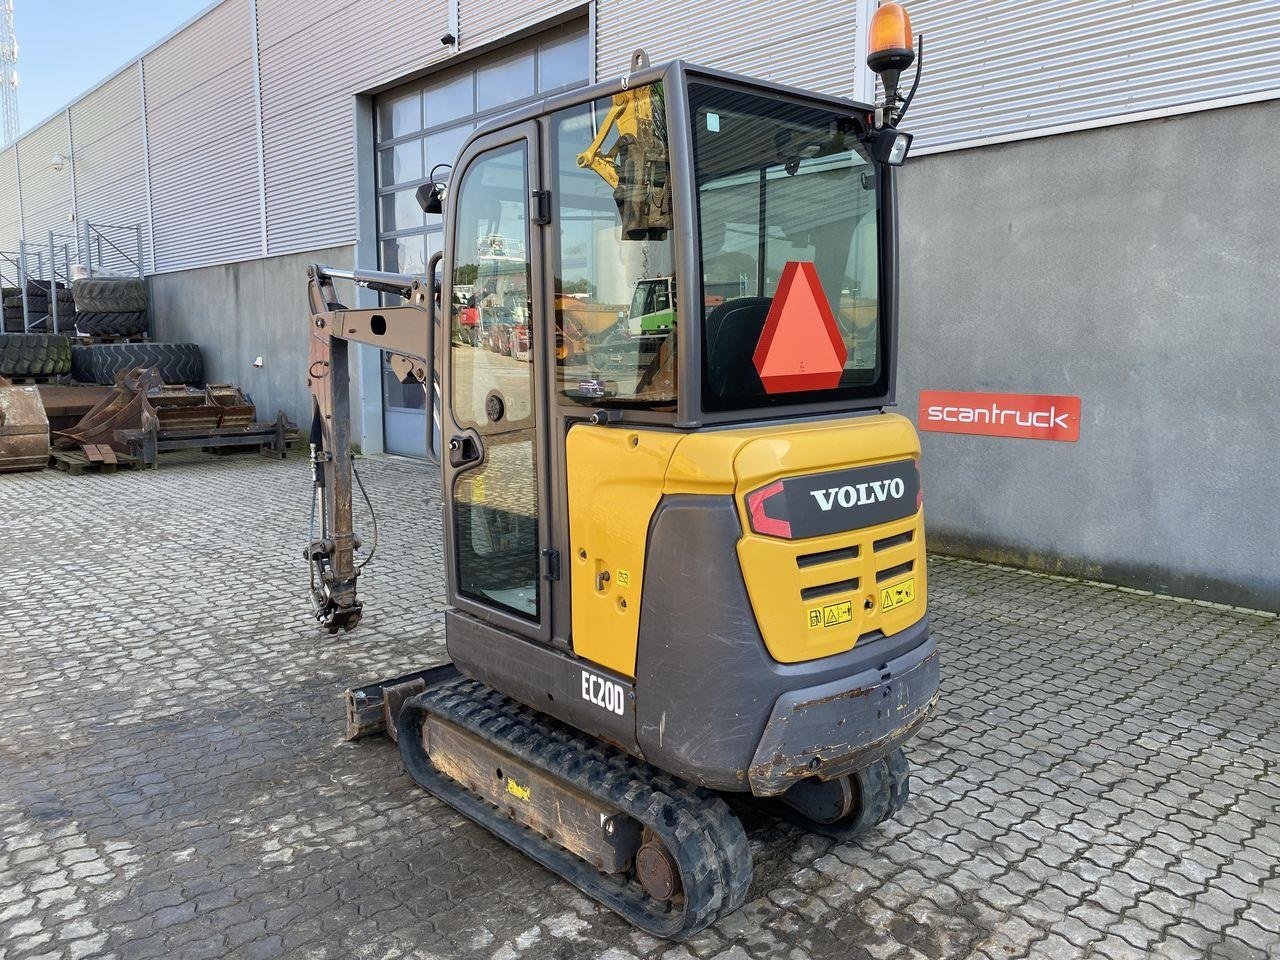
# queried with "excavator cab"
point(685, 553)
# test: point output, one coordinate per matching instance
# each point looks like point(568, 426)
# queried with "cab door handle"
point(463, 450)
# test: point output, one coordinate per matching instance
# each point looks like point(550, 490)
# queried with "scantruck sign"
point(1030, 416)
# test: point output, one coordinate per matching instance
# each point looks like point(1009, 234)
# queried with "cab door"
point(494, 424)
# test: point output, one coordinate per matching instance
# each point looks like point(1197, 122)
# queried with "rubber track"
point(885, 786)
point(697, 827)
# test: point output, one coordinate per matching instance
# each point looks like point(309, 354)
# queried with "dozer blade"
point(667, 857)
point(374, 708)
point(24, 429)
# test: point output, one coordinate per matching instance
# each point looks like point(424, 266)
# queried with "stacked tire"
point(38, 307)
point(34, 355)
point(110, 306)
point(11, 301)
point(104, 362)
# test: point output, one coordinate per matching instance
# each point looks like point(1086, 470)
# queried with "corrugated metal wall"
point(309, 77)
point(810, 43)
point(483, 21)
point(202, 131)
point(111, 174)
point(1001, 67)
point(996, 69)
point(10, 217)
point(46, 192)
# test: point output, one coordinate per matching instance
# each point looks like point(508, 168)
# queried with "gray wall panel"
point(309, 79)
point(201, 124)
point(484, 21)
point(237, 312)
point(10, 217)
point(46, 192)
point(111, 188)
point(1122, 267)
point(1003, 67)
point(790, 41)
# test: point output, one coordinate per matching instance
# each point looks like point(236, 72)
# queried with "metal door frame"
point(527, 133)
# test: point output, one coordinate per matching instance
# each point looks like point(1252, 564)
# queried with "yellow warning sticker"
point(898, 595)
point(832, 615)
point(513, 788)
point(477, 488)
point(624, 578)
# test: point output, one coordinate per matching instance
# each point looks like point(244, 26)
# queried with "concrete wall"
point(240, 311)
point(1133, 266)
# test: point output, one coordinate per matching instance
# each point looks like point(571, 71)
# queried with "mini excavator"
point(685, 559)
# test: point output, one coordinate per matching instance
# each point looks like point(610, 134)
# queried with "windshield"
point(789, 239)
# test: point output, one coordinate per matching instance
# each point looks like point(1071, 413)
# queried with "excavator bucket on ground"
point(24, 428)
point(120, 410)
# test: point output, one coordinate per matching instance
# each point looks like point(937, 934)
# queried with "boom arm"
point(408, 333)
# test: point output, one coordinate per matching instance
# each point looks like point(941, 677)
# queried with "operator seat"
point(733, 330)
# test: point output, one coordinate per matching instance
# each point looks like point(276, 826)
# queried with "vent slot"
point(883, 575)
point(827, 556)
point(897, 540)
point(827, 589)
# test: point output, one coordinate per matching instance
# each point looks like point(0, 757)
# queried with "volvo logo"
point(861, 494)
point(819, 504)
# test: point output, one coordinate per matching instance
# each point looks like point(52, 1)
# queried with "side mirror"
point(431, 197)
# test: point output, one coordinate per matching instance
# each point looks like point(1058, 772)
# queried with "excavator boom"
point(405, 331)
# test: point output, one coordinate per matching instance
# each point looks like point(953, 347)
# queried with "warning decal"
point(833, 614)
point(898, 595)
point(516, 790)
point(800, 347)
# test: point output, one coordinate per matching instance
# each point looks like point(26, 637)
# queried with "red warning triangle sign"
point(800, 346)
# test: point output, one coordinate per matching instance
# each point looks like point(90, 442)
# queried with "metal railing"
point(113, 247)
point(96, 246)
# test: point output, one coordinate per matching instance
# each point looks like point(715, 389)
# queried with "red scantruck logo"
point(1025, 415)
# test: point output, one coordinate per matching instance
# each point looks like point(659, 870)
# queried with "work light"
point(891, 146)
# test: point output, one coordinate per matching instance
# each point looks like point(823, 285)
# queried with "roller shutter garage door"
point(425, 123)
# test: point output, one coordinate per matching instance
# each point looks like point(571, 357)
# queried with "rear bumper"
point(841, 726)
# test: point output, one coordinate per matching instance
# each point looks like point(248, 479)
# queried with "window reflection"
point(615, 294)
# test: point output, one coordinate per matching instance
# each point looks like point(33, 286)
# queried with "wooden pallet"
point(86, 340)
point(94, 457)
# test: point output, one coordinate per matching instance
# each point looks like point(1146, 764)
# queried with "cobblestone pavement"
point(1102, 779)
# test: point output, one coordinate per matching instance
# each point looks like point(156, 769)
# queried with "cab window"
point(789, 251)
point(615, 335)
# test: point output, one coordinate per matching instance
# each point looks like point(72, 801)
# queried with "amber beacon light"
point(890, 46)
point(891, 50)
